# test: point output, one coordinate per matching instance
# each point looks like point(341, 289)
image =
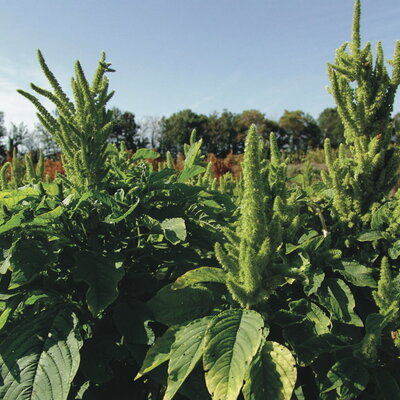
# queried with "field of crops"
point(126, 278)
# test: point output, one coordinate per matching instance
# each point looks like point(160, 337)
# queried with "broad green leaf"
point(11, 198)
point(141, 154)
point(102, 275)
point(388, 386)
point(200, 275)
point(172, 307)
point(348, 377)
point(272, 374)
point(311, 312)
point(15, 221)
point(314, 282)
point(369, 236)
point(185, 354)
point(376, 323)
point(130, 210)
point(307, 329)
point(28, 259)
point(40, 357)
point(45, 217)
point(190, 172)
point(357, 274)
point(159, 353)
point(174, 229)
point(232, 340)
point(11, 304)
point(337, 298)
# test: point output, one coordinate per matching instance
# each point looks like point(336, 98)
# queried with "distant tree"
point(176, 130)
point(314, 138)
point(254, 117)
point(302, 131)
point(331, 126)
point(126, 129)
point(221, 133)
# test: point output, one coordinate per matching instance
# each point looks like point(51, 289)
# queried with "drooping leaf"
point(369, 236)
point(130, 210)
point(15, 221)
point(174, 229)
point(199, 275)
point(272, 374)
point(357, 274)
point(232, 340)
point(46, 217)
point(40, 357)
point(172, 307)
point(338, 299)
point(185, 354)
point(159, 353)
point(348, 377)
point(28, 259)
point(102, 275)
point(141, 154)
point(190, 172)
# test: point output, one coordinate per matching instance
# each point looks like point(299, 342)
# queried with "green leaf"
point(192, 154)
point(200, 275)
point(307, 329)
point(28, 259)
point(40, 357)
point(141, 154)
point(15, 221)
point(102, 275)
point(369, 236)
point(232, 340)
point(388, 386)
point(48, 216)
point(272, 374)
point(357, 274)
point(190, 172)
point(174, 229)
point(130, 210)
point(348, 377)
point(338, 299)
point(172, 307)
point(185, 354)
point(159, 353)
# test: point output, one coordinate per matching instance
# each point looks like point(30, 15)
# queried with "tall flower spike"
point(80, 129)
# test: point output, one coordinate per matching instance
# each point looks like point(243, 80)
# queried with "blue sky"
point(207, 55)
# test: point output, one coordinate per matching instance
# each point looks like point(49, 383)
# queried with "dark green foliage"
point(146, 283)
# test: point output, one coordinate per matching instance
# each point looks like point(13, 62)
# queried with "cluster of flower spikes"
point(366, 167)
point(248, 255)
point(80, 128)
point(21, 173)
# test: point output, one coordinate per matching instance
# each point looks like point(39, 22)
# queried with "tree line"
point(221, 133)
